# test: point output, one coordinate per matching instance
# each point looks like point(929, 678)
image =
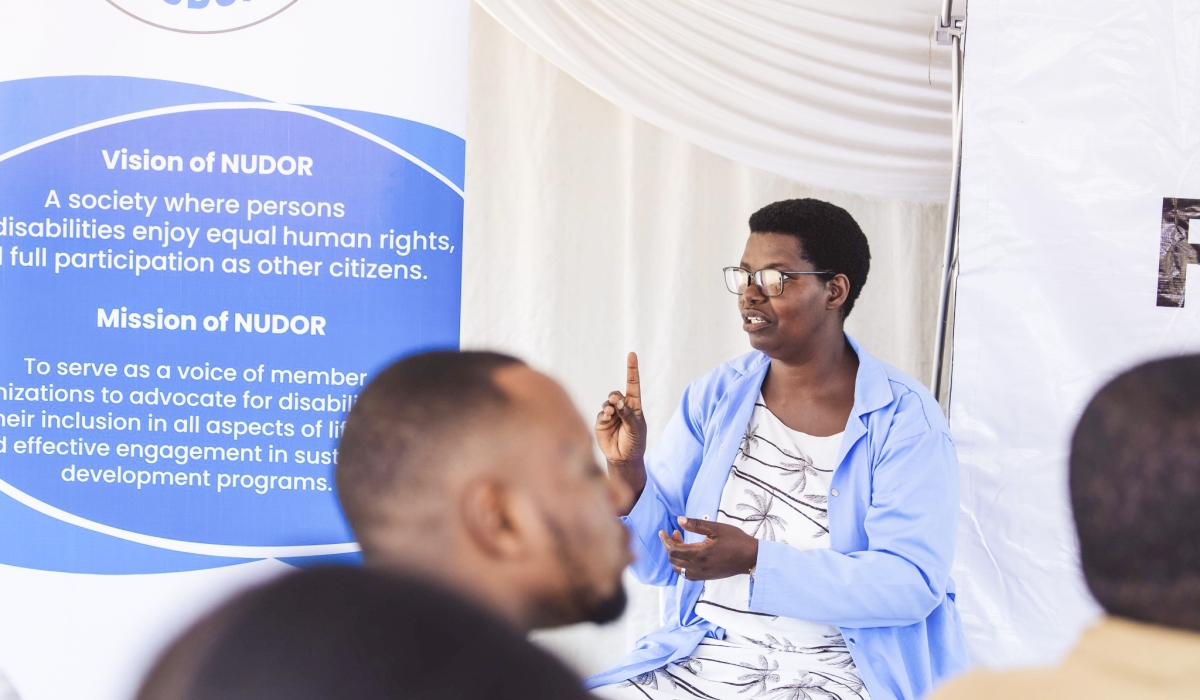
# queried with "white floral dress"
point(777, 490)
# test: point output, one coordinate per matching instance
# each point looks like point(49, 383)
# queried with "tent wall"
point(844, 95)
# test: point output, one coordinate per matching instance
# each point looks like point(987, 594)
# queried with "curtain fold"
point(589, 232)
point(846, 96)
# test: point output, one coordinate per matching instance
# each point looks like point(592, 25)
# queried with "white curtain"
point(850, 96)
point(590, 233)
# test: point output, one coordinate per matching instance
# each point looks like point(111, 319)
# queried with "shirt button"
point(851, 642)
point(834, 492)
point(706, 517)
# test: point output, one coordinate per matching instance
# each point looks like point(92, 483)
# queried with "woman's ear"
point(837, 291)
point(486, 510)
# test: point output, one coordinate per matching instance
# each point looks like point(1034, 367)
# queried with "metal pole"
point(952, 29)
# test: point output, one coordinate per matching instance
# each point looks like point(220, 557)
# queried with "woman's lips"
point(754, 322)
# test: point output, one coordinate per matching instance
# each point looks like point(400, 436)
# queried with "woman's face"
point(783, 325)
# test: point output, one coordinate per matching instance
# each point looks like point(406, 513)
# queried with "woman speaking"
point(816, 489)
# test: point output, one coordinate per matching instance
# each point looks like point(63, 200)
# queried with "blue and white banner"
point(207, 247)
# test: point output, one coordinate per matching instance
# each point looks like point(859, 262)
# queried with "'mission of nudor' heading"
point(277, 324)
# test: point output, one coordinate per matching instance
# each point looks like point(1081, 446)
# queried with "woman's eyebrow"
point(770, 265)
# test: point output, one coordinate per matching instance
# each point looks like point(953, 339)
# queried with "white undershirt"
point(777, 490)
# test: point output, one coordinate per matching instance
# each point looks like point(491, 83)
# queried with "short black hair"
point(402, 419)
point(829, 238)
point(333, 633)
point(1135, 491)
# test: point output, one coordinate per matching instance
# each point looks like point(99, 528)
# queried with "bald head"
point(411, 424)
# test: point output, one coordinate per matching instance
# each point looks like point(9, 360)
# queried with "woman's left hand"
point(726, 550)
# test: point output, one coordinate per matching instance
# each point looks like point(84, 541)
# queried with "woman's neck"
point(813, 390)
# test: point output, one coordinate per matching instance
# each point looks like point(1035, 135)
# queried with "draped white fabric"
point(847, 96)
point(590, 233)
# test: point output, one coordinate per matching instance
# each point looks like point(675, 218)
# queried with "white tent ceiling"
point(849, 96)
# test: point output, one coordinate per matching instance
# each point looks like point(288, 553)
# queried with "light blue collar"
point(872, 388)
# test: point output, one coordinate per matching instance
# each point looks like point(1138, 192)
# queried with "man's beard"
point(609, 609)
point(582, 603)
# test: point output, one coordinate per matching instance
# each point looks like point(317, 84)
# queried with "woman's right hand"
point(621, 431)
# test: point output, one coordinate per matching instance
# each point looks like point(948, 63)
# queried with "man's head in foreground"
point(477, 470)
point(1135, 490)
point(358, 634)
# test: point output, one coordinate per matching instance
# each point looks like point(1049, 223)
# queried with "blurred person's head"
point(478, 470)
point(1135, 491)
point(355, 634)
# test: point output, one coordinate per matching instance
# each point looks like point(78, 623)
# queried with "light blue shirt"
point(893, 506)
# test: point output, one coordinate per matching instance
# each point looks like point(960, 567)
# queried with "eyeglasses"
point(770, 281)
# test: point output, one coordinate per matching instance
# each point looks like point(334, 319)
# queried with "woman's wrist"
point(752, 558)
point(633, 473)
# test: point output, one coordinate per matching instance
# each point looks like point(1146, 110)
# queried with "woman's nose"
point(753, 294)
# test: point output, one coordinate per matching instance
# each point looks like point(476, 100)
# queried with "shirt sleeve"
point(902, 576)
point(671, 469)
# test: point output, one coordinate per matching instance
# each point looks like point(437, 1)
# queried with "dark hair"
point(829, 238)
point(409, 411)
point(1135, 491)
point(341, 632)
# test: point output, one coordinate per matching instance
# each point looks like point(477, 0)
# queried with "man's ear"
point(488, 517)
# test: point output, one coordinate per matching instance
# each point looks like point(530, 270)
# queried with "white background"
point(74, 637)
point(1081, 116)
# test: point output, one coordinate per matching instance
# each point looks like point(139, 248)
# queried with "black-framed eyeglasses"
point(770, 281)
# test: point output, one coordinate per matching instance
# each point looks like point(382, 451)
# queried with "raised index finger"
point(633, 381)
